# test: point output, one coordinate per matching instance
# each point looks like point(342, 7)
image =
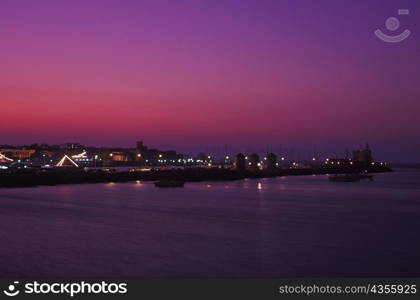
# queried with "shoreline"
point(79, 176)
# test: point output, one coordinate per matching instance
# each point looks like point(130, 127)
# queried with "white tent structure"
point(66, 162)
point(5, 159)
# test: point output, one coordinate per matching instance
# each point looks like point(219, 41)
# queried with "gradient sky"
point(197, 75)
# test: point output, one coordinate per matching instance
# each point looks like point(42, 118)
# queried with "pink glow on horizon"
point(209, 74)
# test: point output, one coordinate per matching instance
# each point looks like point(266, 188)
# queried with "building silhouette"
point(254, 162)
point(271, 161)
point(362, 156)
point(240, 162)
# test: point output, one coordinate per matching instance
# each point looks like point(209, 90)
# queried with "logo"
point(11, 290)
point(70, 288)
point(392, 24)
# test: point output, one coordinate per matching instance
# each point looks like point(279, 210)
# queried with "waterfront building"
point(363, 156)
point(82, 158)
point(21, 154)
point(141, 150)
point(254, 162)
point(271, 161)
point(154, 156)
point(240, 162)
point(119, 156)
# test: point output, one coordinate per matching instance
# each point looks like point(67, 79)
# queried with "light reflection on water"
point(287, 226)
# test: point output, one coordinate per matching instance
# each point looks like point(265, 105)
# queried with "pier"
point(57, 176)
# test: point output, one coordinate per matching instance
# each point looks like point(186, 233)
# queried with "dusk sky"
point(198, 75)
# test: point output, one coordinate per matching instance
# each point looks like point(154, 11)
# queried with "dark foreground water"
point(293, 226)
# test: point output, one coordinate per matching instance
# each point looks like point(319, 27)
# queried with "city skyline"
point(196, 76)
point(220, 153)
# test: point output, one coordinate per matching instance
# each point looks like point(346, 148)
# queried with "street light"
point(95, 159)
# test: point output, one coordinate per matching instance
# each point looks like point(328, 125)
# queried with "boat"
point(350, 177)
point(169, 183)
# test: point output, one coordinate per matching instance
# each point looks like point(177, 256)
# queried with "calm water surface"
point(291, 226)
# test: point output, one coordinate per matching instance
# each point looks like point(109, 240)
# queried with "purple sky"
point(198, 75)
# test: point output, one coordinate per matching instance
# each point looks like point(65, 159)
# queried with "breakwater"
point(58, 176)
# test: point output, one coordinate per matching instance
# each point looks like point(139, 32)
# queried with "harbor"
point(75, 164)
point(57, 176)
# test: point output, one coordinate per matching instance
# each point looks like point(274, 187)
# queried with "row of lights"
point(227, 157)
point(327, 161)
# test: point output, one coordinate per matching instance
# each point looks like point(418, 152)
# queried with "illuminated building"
point(119, 156)
point(82, 158)
point(18, 153)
